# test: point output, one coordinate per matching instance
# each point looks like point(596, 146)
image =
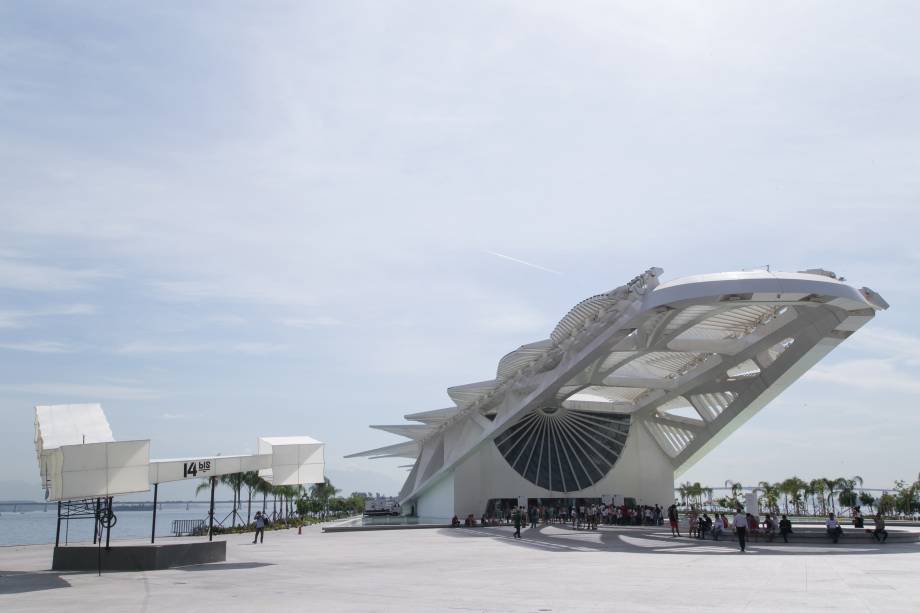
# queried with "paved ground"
point(484, 569)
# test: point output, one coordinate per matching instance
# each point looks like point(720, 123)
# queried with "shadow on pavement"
point(655, 541)
point(18, 582)
point(225, 566)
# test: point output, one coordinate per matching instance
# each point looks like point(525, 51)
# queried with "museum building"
point(632, 387)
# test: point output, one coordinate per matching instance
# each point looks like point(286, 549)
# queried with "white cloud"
point(311, 322)
point(227, 320)
point(523, 262)
point(890, 343)
point(22, 275)
point(256, 348)
point(37, 346)
point(519, 320)
point(247, 347)
point(881, 375)
point(80, 390)
point(23, 318)
point(895, 370)
point(141, 347)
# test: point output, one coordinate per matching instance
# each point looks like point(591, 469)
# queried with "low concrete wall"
point(139, 557)
point(384, 527)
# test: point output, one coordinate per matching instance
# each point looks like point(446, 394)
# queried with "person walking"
point(785, 528)
point(740, 522)
point(260, 528)
point(672, 519)
point(517, 523)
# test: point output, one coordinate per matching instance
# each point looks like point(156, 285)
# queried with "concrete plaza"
point(485, 569)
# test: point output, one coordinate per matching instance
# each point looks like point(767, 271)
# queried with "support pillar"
point(153, 527)
point(211, 511)
point(57, 534)
point(108, 530)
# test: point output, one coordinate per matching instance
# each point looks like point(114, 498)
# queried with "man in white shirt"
point(740, 523)
point(833, 527)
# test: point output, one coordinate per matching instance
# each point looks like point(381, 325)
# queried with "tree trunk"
point(233, 513)
point(249, 508)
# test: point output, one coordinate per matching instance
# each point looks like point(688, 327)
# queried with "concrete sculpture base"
point(138, 557)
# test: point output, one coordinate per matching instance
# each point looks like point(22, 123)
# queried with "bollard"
point(299, 529)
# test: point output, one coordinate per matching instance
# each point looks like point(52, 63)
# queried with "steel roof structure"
point(686, 361)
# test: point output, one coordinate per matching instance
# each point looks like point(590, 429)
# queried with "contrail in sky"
point(537, 266)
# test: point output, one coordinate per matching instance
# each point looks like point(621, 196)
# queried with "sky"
point(223, 220)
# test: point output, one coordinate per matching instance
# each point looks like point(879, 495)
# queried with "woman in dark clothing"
point(785, 528)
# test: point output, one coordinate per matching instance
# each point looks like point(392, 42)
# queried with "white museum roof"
point(686, 336)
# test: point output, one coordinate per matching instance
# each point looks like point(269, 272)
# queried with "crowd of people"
point(748, 525)
point(579, 516)
point(700, 525)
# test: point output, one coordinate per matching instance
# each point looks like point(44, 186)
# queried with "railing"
point(192, 527)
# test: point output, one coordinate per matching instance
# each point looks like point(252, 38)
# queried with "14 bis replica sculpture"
point(632, 388)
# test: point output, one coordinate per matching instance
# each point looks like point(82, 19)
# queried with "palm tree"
point(251, 480)
point(770, 494)
point(866, 499)
point(203, 486)
point(792, 487)
point(707, 491)
point(684, 491)
point(830, 486)
point(848, 497)
point(817, 490)
point(736, 488)
point(235, 481)
point(808, 492)
point(265, 488)
point(697, 492)
point(323, 492)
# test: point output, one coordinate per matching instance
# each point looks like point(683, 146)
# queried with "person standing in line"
point(517, 523)
point(672, 519)
point(740, 522)
point(785, 528)
point(533, 517)
point(260, 528)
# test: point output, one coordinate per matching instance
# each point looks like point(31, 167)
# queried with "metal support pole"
point(108, 530)
point(96, 533)
point(57, 535)
point(153, 528)
point(211, 512)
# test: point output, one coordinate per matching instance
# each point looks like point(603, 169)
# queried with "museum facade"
point(632, 387)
